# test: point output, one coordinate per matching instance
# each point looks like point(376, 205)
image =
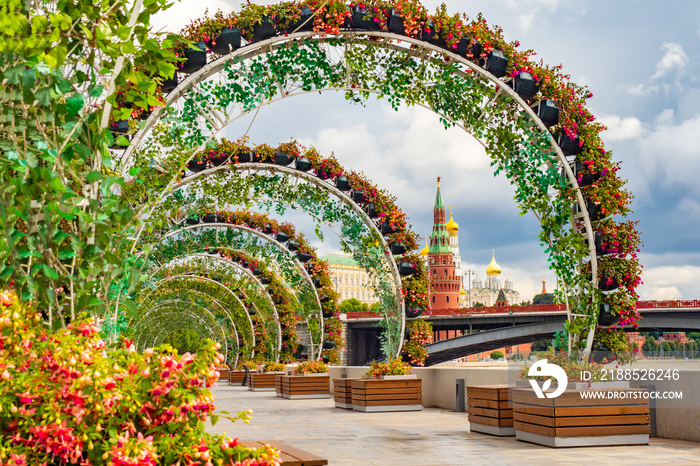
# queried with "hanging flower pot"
point(305, 23)
point(317, 282)
point(293, 245)
point(196, 166)
point(607, 283)
point(396, 23)
point(405, 357)
point(432, 36)
point(264, 30)
point(195, 58)
point(265, 280)
point(594, 212)
point(304, 257)
point(327, 314)
point(244, 263)
point(169, 84)
point(362, 18)
point(469, 48)
point(600, 250)
point(342, 183)
point(241, 295)
point(194, 220)
point(497, 63)
point(323, 174)
point(569, 146)
point(209, 218)
point(406, 268)
point(371, 210)
point(267, 229)
point(285, 337)
point(583, 176)
point(212, 251)
point(358, 196)
point(219, 159)
point(303, 164)
point(247, 157)
point(251, 311)
point(327, 344)
point(283, 159)
point(525, 85)
point(324, 299)
point(606, 318)
point(119, 127)
point(600, 352)
point(398, 249)
point(325, 359)
point(257, 271)
point(282, 237)
point(229, 40)
point(386, 228)
point(548, 111)
point(414, 311)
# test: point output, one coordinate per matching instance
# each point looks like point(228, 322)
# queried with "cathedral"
point(442, 257)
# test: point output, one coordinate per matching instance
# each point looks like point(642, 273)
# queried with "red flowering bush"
point(393, 367)
point(66, 399)
point(311, 367)
point(420, 333)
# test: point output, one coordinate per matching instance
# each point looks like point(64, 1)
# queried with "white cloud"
point(620, 129)
point(673, 63)
point(666, 282)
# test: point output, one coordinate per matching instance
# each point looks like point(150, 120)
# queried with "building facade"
point(349, 279)
point(446, 284)
point(487, 293)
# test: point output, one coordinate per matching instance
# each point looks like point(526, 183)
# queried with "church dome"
point(425, 250)
point(462, 292)
point(508, 280)
point(493, 268)
point(476, 283)
point(452, 227)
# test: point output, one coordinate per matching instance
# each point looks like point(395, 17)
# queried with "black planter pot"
point(195, 59)
point(395, 24)
point(219, 160)
point(548, 111)
point(283, 159)
point(405, 357)
point(432, 36)
point(325, 359)
point(265, 280)
point(599, 248)
point(342, 183)
point(327, 344)
point(324, 299)
point(264, 30)
point(244, 263)
point(256, 271)
point(247, 157)
point(603, 285)
point(293, 245)
point(303, 164)
point(406, 269)
point(568, 145)
point(361, 21)
point(120, 127)
point(358, 196)
point(525, 85)
point(282, 237)
point(600, 353)
point(192, 221)
point(398, 249)
point(606, 318)
point(304, 257)
point(327, 314)
point(209, 218)
point(386, 229)
point(251, 311)
point(324, 175)
point(470, 49)
point(229, 40)
point(169, 84)
point(497, 63)
point(594, 212)
point(212, 251)
point(196, 166)
point(267, 229)
point(371, 210)
point(305, 23)
point(583, 176)
point(241, 295)
point(317, 282)
point(413, 312)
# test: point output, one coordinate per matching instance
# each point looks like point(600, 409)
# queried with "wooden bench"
point(289, 455)
point(489, 410)
point(570, 420)
point(377, 395)
point(342, 393)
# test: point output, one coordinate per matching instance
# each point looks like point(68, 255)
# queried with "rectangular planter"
point(342, 393)
point(279, 385)
point(572, 421)
point(490, 410)
point(375, 395)
point(297, 387)
point(263, 381)
point(235, 377)
point(223, 374)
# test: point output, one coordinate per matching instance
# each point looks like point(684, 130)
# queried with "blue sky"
point(640, 59)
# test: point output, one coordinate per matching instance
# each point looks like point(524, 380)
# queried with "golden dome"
point(493, 268)
point(425, 250)
point(452, 226)
point(462, 292)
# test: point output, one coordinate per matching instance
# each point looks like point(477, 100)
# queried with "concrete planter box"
point(377, 395)
point(262, 381)
point(297, 387)
point(235, 377)
point(490, 410)
point(342, 393)
point(573, 421)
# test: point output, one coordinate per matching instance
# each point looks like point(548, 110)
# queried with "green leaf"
point(75, 103)
point(95, 90)
point(6, 273)
point(51, 273)
point(94, 176)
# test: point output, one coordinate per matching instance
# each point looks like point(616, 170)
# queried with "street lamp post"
point(468, 273)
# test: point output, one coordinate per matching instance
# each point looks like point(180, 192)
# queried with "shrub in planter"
point(393, 367)
point(272, 366)
point(311, 367)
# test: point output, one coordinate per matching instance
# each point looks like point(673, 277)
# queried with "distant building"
point(487, 294)
point(349, 279)
point(441, 267)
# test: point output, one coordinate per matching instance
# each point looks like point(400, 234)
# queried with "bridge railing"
point(668, 303)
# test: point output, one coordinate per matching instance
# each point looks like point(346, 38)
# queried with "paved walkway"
point(428, 437)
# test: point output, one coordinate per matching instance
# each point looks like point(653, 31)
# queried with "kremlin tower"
point(441, 267)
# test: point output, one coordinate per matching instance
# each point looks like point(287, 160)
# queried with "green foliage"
point(393, 367)
point(185, 340)
point(496, 355)
point(353, 305)
point(545, 298)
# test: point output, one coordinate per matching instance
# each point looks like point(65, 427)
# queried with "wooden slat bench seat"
point(289, 455)
point(571, 420)
point(490, 410)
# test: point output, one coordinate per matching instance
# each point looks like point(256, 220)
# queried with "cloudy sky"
point(641, 61)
